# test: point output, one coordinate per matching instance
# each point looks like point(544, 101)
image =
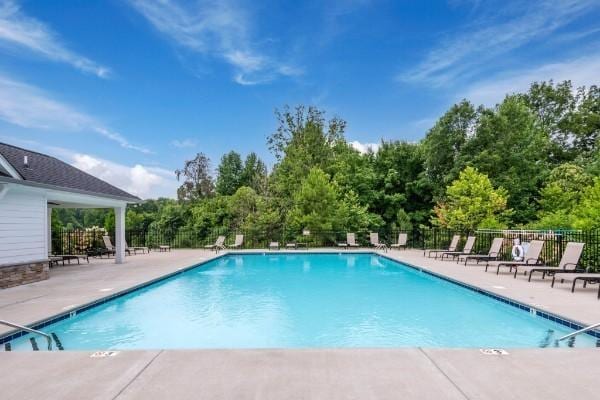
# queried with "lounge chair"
point(452, 247)
point(110, 249)
point(574, 277)
point(568, 262)
point(493, 253)
point(218, 245)
point(467, 249)
point(136, 248)
point(291, 245)
point(374, 239)
point(274, 246)
point(402, 240)
point(531, 257)
point(350, 241)
point(70, 257)
point(239, 241)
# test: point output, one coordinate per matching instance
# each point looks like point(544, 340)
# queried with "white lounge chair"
point(350, 241)
point(136, 248)
point(274, 246)
point(374, 239)
point(218, 245)
point(239, 241)
point(402, 240)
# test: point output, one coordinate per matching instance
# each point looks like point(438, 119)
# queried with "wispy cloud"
point(21, 31)
point(185, 143)
point(140, 180)
point(27, 106)
point(493, 35)
point(218, 29)
point(581, 71)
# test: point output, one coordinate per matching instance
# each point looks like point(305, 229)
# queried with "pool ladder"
point(49, 337)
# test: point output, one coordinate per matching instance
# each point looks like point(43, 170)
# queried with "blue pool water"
point(304, 300)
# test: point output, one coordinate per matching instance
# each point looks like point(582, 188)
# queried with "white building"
point(31, 184)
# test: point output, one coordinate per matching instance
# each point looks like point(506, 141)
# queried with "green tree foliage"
point(229, 174)
point(444, 142)
point(511, 149)
point(197, 180)
point(587, 211)
point(540, 148)
point(472, 202)
point(254, 174)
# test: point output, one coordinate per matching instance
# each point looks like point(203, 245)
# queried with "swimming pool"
point(281, 300)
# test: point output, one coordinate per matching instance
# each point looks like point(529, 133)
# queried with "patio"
point(290, 373)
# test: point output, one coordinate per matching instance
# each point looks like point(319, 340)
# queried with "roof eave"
point(130, 200)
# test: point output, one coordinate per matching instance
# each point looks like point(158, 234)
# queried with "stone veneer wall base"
point(24, 273)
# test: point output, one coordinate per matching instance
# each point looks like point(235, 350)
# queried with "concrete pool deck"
point(288, 373)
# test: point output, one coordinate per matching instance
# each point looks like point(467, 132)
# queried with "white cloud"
point(21, 31)
point(581, 72)
point(27, 106)
point(215, 28)
point(486, 38)
point(143, 181)
point(364, 148)
point(185, 143)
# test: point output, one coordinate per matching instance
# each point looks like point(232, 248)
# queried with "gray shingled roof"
point(47, 170)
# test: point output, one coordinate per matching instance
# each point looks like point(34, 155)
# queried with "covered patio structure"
point(31, 185)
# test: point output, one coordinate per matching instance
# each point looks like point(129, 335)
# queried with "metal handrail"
point(24, 328)
point(587, 328)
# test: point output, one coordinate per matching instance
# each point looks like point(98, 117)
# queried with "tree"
point(444, 142)
point(197, 181)
point(513, 151)
point(229, 177)
point(254, 174)
point(561, 193)
point(315, 203)
point(587, 212)
point(472, 202)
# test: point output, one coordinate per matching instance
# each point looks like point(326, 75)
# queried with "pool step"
point(57, 341)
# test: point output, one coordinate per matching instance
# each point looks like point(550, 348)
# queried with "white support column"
point(120, 234)
point(49, 231)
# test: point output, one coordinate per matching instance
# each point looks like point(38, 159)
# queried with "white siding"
point(23, 221)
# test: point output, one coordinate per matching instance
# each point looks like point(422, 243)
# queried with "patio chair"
point(531, 257)
point(493, 253)
point(239, 241)
point(467, 249)
point(568, 263)
point(274, 246)
point(136, 248)
point(374, 239)
point(110, 249)
point(71, 257)
point(452, 247)
point(291, 245)
point(218, 245)
point(350, 241)
point(402, 240)
point(574, 277)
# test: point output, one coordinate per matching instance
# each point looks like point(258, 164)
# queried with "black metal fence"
point(80, 241)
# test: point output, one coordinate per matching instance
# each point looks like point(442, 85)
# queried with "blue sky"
point(128, 89)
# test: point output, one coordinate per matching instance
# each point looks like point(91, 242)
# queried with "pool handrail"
point(583, 330)
point(30, 330)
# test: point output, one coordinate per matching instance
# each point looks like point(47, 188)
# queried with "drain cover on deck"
point(102, 354)
point(494, 352)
